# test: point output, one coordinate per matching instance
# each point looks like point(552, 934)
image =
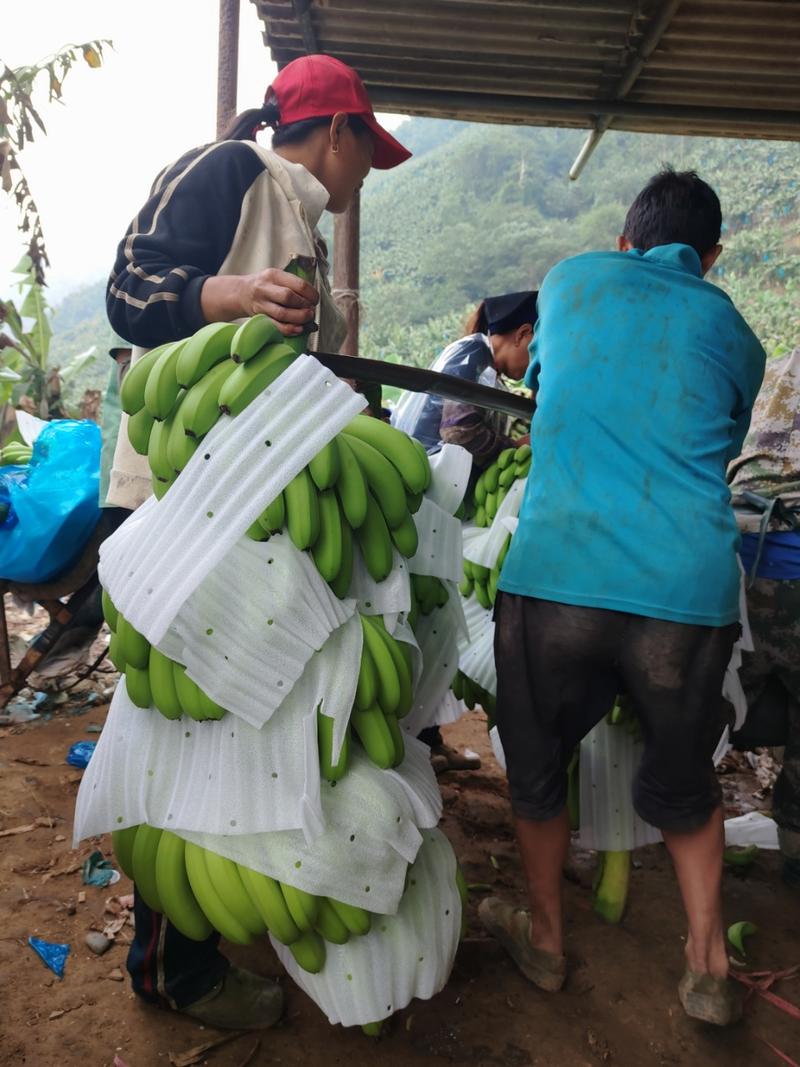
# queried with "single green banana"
point(204, 350)
point(465, 587)
point(374, 541)
point(309, 952)
point(401, 664)
point(208, 708)
point(187, 692)
point(200, 406)
point(367, 687)
point(507, 476)
point(172, 883)
point(522, 454)
point(397, 739)
point(479, 492)
point(491, 585)
point(110, 613)
point(302, 510)
point(405, 537)
point(331, 771)
point(737, 932)
point(122, 841)
point(131, 394)
point(383, 480)
point(162, 388)
point(135, 648)
point(357, 920)
point(327, 549)
point(388, 680)
point(414, 502)
point(482, 594)
point(491, 506)
point(180, 447)
point(228, 885)
point(161, 485)
point(160, 465)
point(137, 683)
point(505, 458)
point(303, 907)
point(251, 379)
point(375, 736)
point(254, 334)
point(329, 925)
point(501, 556)
point(115, 653)
point(480, 516)
point(611, 888)
point(341, 583)
point(457, 685)
point(143, 862)
point(397, 447)
point(162, 685)
point(324, 467)
point(351, 485)
point(267, 898)
point(207, 897)
point(273, 517)
point(256, 532)
point(468, 691)
point(523, 469)
point(140, 426)
point(491, 478)
point(442, 593)
point(372, 1029)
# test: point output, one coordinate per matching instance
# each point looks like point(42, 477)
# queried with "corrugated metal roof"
point(714, 67)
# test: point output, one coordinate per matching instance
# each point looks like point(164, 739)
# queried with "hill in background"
point(488, 209)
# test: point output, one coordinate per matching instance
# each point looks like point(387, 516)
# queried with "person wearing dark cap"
point(209, 245)
point(222, 222)
point(495, 346)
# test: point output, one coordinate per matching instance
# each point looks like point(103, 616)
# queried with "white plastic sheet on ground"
point(753, 828)
point(251, 458)
point(404, 956)
point(248, 630)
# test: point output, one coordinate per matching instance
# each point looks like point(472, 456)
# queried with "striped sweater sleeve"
point(180, 237)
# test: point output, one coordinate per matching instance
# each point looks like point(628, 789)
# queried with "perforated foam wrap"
point(438, 635)
point(439, 550)
point(404, 956)
point(374, 827)
point(389, 597)
point(482, 544)
point(251, 458)
point(609, 760)
point(249, 629)
point(476, 655)
point(222, 777)
point(451, 467)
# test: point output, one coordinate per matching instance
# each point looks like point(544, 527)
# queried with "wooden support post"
point(346, 229)
point(227, 62)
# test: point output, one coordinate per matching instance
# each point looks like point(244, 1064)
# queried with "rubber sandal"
point(511, 927)
point(444, 758)
point(709, 999)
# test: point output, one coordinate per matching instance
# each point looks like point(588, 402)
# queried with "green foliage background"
point(487, 209)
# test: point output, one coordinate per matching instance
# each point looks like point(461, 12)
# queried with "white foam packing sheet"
point(439, 552)
point(482, 544)
point(608, 764)
point(389, 597)
point(226, 776)
point(182, 537)
point(476, 656)
point(374, 823)
point(451, 467)
point(249, 629)
point(404, 956)
point(438, 635)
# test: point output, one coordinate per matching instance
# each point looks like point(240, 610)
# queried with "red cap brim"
point(388, 152)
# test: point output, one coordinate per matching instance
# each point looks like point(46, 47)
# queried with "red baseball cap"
point(318, 85)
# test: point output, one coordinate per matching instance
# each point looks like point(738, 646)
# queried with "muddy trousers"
point(167, 968)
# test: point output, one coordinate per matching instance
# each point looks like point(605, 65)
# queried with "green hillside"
point(487, 209)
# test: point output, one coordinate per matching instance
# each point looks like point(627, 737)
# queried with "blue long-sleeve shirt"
point(646, 376)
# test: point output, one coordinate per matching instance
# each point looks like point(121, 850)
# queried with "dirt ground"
point(619, 1006)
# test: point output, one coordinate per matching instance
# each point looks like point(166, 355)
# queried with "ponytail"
point(477, 321)
point(246, 125)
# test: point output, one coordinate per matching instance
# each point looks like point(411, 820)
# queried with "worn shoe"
point(709, 999)
point(444, 758)
point(511, 927)
point(241, 1001)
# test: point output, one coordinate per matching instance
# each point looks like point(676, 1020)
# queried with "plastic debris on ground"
point(80, 753)
point(99, 871)
point(52, 954)
point(753, 828)
point(25, 709)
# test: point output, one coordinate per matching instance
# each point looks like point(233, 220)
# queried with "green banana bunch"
point(474, 695)
point(16, 454)
point(491, 488)
point(428, 592)
point(410, 462)
point(611, 885)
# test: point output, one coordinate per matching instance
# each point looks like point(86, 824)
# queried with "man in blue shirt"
point(622, 575)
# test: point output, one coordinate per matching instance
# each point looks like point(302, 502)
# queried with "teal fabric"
point(645, 377)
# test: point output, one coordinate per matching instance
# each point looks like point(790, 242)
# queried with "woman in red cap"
point(208, 246)
point(224, 219)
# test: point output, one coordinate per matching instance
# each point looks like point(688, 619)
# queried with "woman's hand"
point(286, 299)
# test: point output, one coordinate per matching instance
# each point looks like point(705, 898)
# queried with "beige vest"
point(278, 220)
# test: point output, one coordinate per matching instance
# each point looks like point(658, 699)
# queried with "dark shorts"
point(559, 670)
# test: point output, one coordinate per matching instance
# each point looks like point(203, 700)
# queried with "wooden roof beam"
point(302, 14)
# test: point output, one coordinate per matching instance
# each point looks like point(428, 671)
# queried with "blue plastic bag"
point(80, 753)
point(52, 954)
point(53, 504)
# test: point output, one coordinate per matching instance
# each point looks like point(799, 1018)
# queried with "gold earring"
point(334, 148)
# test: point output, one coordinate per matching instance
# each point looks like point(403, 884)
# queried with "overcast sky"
point(153, 98)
